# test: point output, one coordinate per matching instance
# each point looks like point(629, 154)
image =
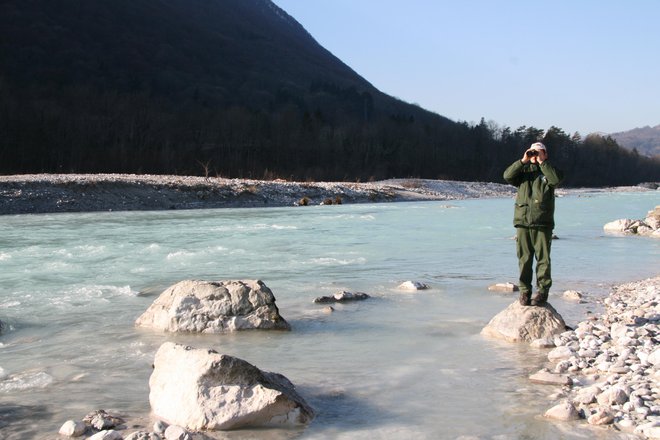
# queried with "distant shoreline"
point(51, 193)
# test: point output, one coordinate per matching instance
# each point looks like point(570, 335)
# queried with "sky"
point(584, 66)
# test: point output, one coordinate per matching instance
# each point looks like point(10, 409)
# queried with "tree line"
point(83, 129)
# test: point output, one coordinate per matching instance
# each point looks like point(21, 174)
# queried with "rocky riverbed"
point(45, 193)
point(42, 193)
point(612, 363)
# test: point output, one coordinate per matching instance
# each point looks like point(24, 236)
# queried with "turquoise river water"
point(400, 365)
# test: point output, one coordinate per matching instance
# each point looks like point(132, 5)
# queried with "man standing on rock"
point(533, 218)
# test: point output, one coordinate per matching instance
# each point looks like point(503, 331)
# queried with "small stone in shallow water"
point(341, 297)
point(413, 285)
point(547, 378)
point(503, 287)
point(572, 295)
point(542, 343)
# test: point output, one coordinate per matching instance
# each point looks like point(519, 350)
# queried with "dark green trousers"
point(534, 243)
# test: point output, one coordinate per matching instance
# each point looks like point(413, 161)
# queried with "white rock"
point(519, 323)
point(174, 432)
point(564, 411)
point(618, 330)
point(625, 425)
point(413, 285)
point(587, 395)
point(611, 396)
point(650, 430)
point(654, 358)
point(202, 389)
point(107, 435)
point(600, 417)
point(620, 226)
point(572, 295)
point(72, 428)
point(560, 353)
point(214, 307)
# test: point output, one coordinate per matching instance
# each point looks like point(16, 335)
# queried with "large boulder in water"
point(214, 307)
point(204, 390)
point(518, 323)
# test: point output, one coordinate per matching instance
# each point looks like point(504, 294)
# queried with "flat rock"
point(546, 378)
point(341, 297)
point(214, 307)
point(503, 287)
point(204, 390)
point(518, 323)
point(560, 353)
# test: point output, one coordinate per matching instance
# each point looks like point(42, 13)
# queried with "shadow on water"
point(18, 422)
point(343, 411)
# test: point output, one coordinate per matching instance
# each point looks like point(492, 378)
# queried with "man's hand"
point(543, 155)
point(526, 158)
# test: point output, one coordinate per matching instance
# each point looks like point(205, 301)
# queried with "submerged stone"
point(342, 296)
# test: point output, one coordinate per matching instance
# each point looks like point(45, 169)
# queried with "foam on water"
point(399, 365)
point(25, 381)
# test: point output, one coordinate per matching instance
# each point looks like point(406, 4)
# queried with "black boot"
point(540, 298)
point(524, 298)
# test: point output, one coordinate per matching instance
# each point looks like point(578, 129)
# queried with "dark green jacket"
point(535, 202)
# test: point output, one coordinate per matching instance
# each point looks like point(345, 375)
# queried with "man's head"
point(537, 153)
point(537, 146)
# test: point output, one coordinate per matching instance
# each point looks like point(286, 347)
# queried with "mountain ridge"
point(233, 88)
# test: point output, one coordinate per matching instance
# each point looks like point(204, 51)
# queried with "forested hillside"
point(235, 88)
point(645, 140)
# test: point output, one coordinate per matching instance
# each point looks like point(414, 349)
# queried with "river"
point(399, 365)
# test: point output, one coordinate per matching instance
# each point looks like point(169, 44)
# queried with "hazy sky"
point(581, 65)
